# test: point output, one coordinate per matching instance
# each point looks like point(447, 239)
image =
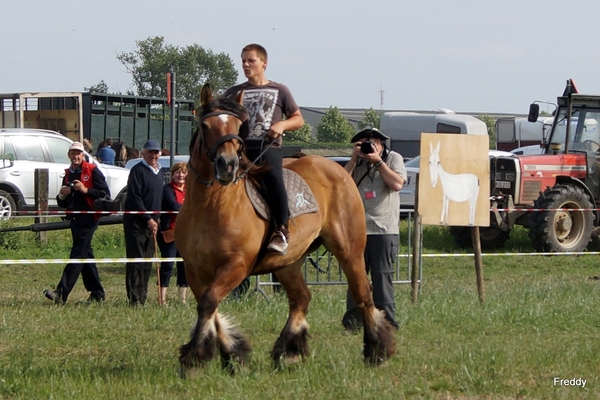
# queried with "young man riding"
point(267, 103)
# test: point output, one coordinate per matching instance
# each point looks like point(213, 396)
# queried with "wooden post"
point(41, 200)
point(416, 260)
point(478, 263)
point(417, 240)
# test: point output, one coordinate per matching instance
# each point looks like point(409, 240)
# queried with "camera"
point(70, 185)
point(366, 147)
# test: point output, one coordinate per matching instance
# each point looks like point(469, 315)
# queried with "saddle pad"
point(301, 199)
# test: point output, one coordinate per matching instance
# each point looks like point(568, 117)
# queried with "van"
point(405, 128)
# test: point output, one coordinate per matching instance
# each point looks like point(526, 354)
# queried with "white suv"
point(22, 151)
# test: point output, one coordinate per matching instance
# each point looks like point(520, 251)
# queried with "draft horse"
point(124, 153)
point(222, 241)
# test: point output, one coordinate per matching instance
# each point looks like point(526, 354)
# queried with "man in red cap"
point(82, 184)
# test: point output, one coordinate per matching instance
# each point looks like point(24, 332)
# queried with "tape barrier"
point(177, 259)
point(65, 212)
point(89, 260)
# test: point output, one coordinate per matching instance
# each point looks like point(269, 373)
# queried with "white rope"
point(87, 260)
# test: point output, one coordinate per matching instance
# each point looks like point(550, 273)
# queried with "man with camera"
point(379, 174)
point(82, 184)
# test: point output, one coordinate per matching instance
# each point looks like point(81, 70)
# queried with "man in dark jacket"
point(82, 184)
point(144, 193)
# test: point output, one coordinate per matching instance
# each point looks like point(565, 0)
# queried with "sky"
point(463, 55)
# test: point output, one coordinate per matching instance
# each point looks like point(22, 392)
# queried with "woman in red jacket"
point(173, 197)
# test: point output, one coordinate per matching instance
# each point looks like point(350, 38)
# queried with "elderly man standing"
point(144, 193)
point(379, 174)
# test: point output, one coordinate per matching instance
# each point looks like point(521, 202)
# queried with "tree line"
point(193, 66)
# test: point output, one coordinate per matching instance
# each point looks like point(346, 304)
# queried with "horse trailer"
point(130, 120)
point(514, 132)
point(405, 128)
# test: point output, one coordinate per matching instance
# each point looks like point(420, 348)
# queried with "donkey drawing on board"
point(455, 187)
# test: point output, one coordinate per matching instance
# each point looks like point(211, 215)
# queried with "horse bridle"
point(211, 153)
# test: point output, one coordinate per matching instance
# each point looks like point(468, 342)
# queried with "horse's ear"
point(206, 94)
point(240, 97)
point(437, 147)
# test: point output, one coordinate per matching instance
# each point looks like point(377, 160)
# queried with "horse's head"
point(434, 163)
point(222, 123)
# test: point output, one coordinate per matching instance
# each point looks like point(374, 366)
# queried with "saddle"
point(301, 199)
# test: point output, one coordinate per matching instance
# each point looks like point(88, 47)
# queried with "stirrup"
point(278, 246)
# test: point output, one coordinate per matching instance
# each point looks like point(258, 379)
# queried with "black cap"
point(369, 133)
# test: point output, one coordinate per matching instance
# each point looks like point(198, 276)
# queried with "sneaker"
point(54, 296)
point(279, 241)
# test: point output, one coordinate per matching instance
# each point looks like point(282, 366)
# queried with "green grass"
point(539, 321)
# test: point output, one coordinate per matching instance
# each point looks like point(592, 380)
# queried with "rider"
point(267, 103)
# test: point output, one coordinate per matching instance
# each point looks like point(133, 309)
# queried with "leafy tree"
point(193, 66)
point(100, 87)
point(302, 135)
point(491, 128)
point(370, 117)
point(334, 127)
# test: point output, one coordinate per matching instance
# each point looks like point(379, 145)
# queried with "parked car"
point(164, 161)
point(527, 150)
point(409, 189)
point(22, 151)
point(342, 160)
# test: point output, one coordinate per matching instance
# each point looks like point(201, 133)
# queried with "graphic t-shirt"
point(266, 105)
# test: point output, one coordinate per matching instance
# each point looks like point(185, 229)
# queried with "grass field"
point(539, 322)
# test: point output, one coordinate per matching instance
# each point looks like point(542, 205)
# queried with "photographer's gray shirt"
point(382, 204)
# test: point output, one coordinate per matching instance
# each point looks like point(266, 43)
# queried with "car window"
point(8, 147)
point(28, 148)
point(59, 150)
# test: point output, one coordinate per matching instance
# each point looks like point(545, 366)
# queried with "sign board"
point(454, 181)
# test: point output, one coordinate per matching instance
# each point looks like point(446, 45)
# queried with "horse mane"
point(227, 104)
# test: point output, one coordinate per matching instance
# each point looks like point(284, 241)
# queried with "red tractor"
point(553, 194)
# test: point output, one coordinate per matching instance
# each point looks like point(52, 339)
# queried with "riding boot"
point(279, 241)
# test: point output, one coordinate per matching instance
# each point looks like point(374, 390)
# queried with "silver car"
point(22, 151)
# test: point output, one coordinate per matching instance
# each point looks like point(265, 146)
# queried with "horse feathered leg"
point(379, 341)
point(214, 331)
point(378, 336)
point(292, 344)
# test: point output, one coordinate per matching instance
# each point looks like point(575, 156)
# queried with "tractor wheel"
point(562, 230)
point(491, 238)
point(7, 205)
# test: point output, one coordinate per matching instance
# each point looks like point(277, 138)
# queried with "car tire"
point(8, 207)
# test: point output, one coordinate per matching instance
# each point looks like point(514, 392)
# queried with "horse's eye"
point(205, 125)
